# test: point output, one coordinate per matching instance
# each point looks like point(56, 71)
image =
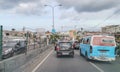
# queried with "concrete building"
point(88, 33)
point(13, 33)
point(111, 29)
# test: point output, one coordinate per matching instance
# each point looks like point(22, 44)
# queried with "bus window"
point(103, 41)
point(107, 40)
point(88, 41)
point(84, 41)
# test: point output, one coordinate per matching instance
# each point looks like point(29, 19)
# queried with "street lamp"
point(53, 12)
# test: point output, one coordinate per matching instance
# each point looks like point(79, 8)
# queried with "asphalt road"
point(77, 64)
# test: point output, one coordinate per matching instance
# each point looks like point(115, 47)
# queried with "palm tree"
point(54, 37)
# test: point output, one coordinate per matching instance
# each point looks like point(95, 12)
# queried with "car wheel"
point(78, 48)
point(12, 54)
point(75, 48)
point(86, 56)
point(57, 56)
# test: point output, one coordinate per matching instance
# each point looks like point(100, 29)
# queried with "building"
point(73, 34)
point(88, 33)
point(13, 33)
point(111, 29)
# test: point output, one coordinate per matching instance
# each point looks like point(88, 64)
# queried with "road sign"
point(53, 31)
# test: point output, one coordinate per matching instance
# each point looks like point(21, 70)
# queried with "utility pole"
point(53, 11)
point(27, 35)
point(1, 41)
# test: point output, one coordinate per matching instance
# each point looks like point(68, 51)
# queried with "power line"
point(105, 19)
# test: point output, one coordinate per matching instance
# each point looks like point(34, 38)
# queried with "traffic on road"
point(59, 35)
point(77, 64)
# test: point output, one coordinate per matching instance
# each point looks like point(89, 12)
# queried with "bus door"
point(85, 45)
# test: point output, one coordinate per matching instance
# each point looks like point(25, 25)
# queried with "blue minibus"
point(98, 47)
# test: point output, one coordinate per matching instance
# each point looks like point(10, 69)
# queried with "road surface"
point(77, 64)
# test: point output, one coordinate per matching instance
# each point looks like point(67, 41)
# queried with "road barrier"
point(14, 63)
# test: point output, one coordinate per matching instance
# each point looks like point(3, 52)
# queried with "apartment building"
point(111, 29)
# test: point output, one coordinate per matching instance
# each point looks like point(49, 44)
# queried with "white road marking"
point(34, 70)
point(96, 67)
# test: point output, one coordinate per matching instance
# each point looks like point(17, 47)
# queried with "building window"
point(7, 34)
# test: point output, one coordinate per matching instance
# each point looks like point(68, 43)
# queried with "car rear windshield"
point(65, 44)
point(77, 43)
point(104, 41)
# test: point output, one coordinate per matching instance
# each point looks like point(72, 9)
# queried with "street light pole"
point(53, 17)
point(53, 7)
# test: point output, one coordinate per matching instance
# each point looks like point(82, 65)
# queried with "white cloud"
point(27, 7)
point(89, 5)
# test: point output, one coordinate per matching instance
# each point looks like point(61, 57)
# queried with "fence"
point(14, 63)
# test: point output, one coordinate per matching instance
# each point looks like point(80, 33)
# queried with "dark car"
point(20, 47)
point(64, 48)
point(7, 51)
point(76, 45)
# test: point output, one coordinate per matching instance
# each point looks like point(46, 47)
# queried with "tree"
point(54, 37)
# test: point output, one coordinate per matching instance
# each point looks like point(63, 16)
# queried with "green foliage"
point(54, 37)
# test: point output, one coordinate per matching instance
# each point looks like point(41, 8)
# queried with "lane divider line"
point(34, 70)
point(96, 67)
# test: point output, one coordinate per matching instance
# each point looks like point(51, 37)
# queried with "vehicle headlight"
point(5, 52)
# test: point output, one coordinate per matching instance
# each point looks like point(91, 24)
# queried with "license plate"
point(65, 53)
point(63, 49)
point(102, 57)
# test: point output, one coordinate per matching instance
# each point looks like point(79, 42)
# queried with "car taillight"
point(90, 49)
point(58, 48)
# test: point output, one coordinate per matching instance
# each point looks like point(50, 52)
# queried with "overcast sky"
point(73, 14)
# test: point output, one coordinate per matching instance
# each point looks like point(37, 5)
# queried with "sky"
point(90, 15)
